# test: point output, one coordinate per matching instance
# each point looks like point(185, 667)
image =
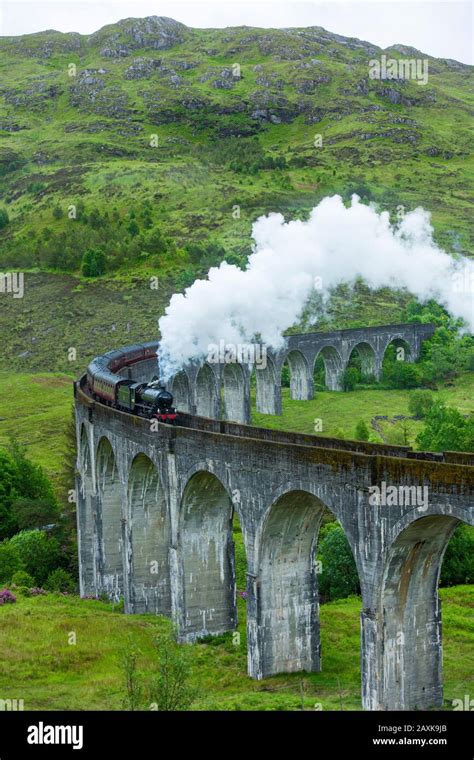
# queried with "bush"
point(401, 375)
point(60, 580)
point(10, 561)
point(350, 378)
point(362, 432)
point(6, 597)
point(22, 578)
point(420, 403)
point(4, 218)
point(38, 553)
point(446, 429)
point(458, 562)
point(166, 687)
point(339, 577)
point(93, 263)
point(169, 689)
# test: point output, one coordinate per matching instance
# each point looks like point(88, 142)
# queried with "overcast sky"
point(440, 28)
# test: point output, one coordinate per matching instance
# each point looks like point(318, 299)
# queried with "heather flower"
point(7, 597)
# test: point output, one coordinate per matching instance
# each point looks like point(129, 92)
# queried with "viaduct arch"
point(197, 386)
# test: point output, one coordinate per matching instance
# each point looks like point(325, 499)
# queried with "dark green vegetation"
point(135, 161)
point(55, 674)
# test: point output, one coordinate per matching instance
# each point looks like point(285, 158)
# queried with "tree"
point(401, 374)
point(446, 429)
point(93, 262)
point(339, 577)
point(34, 513)
point(133, 228)
point(20, 479)
point(458, 562)
point(8, 493)
point(350, 378)
point(4, 218)
point(38, 553)
point(169, 688)
point(362, 432)
point(10, 561)
point(420, 403)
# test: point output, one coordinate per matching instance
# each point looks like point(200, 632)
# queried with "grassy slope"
point(342, 411)
point(191, 188)
point(40, 666)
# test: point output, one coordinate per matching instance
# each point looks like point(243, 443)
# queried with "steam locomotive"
point(150, 400)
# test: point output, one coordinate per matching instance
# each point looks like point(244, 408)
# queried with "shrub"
point(10, 561)
point(362, 432)
point(166, 687)
point(350, 378)
point(93, 263)
point(38, 553)
point(36, 591)
point(22, 578)
point(169, 689)
point(60, 580)
point(4, 218)
point(420, 403)
point(401, 375)
point(6, 597)
point(446, 429)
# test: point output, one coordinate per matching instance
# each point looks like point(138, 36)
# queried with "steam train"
point(150, 400)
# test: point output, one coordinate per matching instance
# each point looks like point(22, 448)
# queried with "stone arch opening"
point(109, 494)
point(398, 349)
point(397, 353)
point(296, 376)
point(328, 368)
point(207, 397)
point(362, 357)
point(86, 516)
point(411, 616)
point(207, 558)
point(287, 595)
point(181, 392)
point(149, 540)
point(233, 382)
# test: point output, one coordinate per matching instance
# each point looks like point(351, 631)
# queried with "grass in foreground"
point(40, 667)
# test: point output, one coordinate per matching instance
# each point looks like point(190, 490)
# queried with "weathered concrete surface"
point(164, 498)
point(197, 388)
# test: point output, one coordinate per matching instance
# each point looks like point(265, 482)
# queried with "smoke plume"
point(337, 244)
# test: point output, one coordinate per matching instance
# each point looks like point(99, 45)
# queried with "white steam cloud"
point(335, 245)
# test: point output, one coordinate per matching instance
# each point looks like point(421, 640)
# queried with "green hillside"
point(160, 145)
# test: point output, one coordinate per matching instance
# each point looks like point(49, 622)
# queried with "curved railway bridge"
point(155, 511)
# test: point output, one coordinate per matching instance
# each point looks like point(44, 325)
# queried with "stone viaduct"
point(197, 387)
point(155, 510)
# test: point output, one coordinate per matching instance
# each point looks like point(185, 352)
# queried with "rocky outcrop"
point(142, 68)
point(151, 33)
